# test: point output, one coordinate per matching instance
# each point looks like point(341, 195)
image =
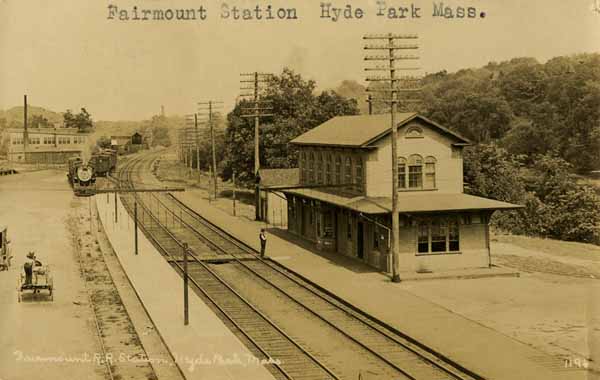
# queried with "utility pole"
point(257, 111)
point(391, 97)
point(233, 179)
point(192, 121)
point(207, 109)
point(186, 313)
point(25, 132)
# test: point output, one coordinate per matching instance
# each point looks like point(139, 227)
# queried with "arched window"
point(430, 172)
point(311, 167)
point(338, 170)
point(359, 174)
point(348, 172)
point(414, 131)
point(415, 172)
point(328, 165)
point(401, 173)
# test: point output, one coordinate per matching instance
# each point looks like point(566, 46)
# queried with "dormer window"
point(414, 132)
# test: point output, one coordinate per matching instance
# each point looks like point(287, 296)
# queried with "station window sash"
point(401, 173)
point(328, 179)
point(359, 174)
point(430, 172)
point(303, 167)
point(311, 167)
point(415, 172)
point(348, 173)
point(338, 170)
point(319, 169)
point(438, 235)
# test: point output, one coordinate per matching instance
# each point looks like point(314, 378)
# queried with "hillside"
point(13, 117)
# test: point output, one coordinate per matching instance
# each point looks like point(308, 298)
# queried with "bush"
point(557, 206)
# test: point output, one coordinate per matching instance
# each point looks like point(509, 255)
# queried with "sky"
point(69, 54)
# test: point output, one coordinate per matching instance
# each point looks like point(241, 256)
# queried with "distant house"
point(121, 143)
point(273, 202)
point(45, 145)
point(136, 139)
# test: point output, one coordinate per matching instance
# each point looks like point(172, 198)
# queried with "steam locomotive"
point(82, 176)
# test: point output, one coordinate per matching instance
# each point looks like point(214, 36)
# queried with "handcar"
point(40, 280)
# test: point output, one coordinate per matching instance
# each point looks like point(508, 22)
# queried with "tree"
point(82, 121)
point(470, 105)
point(158, 129)
point(492, 172)
point(39, 121)
point(103, 142)
point(295, 108)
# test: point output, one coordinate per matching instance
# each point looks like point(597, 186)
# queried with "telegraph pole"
point(25, 132)
point(391, 97)
point(207, 109)
point(192, 121)
point(257, 111)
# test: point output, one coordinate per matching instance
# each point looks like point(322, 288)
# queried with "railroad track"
point(265, 336)
point(392, 354)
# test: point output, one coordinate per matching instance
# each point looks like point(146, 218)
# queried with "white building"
point(46, 145)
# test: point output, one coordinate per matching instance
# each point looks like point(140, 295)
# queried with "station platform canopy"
point(409, 202)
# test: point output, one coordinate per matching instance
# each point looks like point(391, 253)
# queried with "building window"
point(338, 170)
point(319, 168)
point(348, 173)
point(328, 164)
point(438, 235)
point(415, 172)
point(303, 176)
point(430, 172)
point(414, 132)
point(401, 173)
point(359, 174)
point(311, 167)
point(453, 236)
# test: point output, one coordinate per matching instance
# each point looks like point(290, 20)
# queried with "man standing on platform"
point(263, 242)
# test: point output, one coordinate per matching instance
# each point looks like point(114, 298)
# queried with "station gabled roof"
point(409, 202)
point(359, 131)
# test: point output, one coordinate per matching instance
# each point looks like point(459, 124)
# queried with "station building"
point(441, 228)
point(46, 145)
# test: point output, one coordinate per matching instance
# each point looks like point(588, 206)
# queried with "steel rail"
point(321, 317)
point(226, 314)
point(429, 357)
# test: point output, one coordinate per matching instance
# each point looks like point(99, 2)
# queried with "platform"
point(206, 348)
point(477, 347)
